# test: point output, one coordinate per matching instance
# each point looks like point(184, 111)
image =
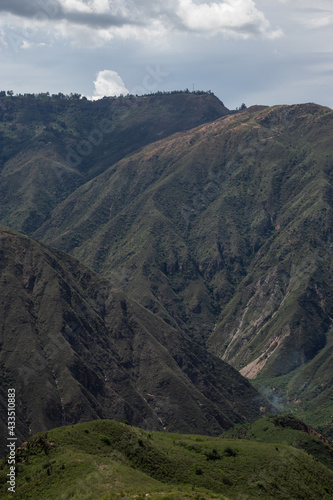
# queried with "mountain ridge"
point(52, 145)
point(224, 232)
point(76, 348)
point(158, 233)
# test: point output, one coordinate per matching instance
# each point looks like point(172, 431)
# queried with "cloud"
point(108, 83)
point(132, 18)
point(22, 8)
point(314, 18)
point(238, 16)
point(95, 13)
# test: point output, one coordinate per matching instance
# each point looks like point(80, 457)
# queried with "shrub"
point(105, 440)
point(213, 455)
point(230, 452)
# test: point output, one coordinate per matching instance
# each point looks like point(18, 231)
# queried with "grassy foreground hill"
point(105, 460)
point(285, 429)
point(75, 348)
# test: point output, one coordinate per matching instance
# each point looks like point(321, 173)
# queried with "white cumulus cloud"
point(240, 17)
point(108, 83)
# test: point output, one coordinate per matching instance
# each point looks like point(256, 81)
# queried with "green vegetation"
point(217, 223)
point(288, 430)
point(73, 462)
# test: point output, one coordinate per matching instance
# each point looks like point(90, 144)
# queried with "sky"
point(245, 51)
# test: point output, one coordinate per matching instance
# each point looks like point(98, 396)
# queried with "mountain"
point(51, 145)
point(105, 459)
point(75, 348)
point(225, 232)
point(217, 222)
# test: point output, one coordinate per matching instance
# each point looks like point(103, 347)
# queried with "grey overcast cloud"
point(256, 52)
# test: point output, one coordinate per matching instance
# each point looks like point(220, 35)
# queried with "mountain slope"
point(288, 430)
point(75, 349)
point(51, 145)
point(225, 231)
point(108, 460)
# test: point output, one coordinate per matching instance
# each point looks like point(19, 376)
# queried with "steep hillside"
point(225, 231)
point(106, 460)
point(75, 349)
point(51, 145)
point(285, 429)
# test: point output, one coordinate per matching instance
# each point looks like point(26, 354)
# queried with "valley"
point(167, 263)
